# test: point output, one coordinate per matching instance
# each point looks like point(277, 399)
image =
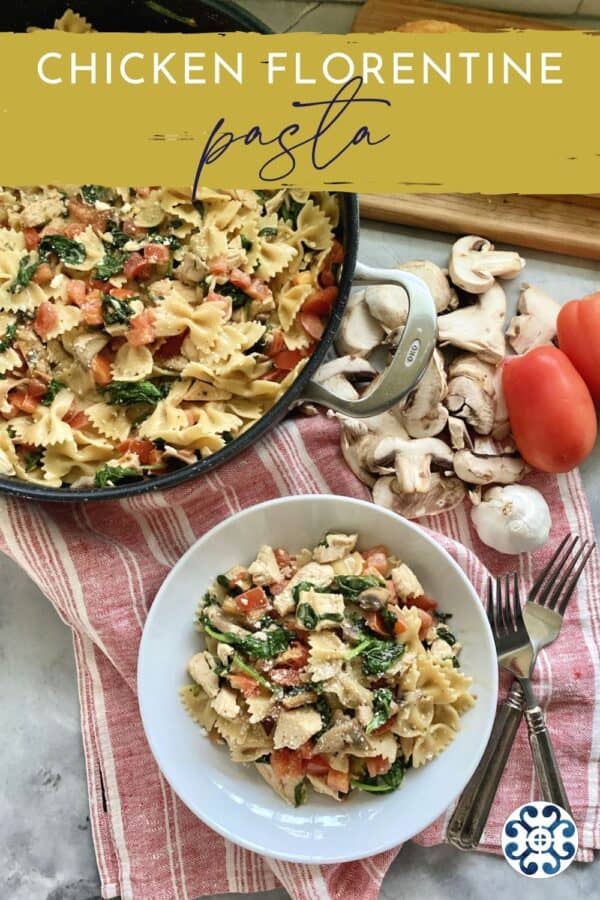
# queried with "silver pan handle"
point(410, 359)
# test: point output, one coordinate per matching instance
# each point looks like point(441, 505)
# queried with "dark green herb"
point(307, 616)
point(111, 264)
point(169, 14)
point(265, 758)
point(239, 663)
point(93, 192)
point(382, 701)
point(246, 242)
point(442, 616)
point(353, 585)
point(71, 252)
point(383, 784)
point(277, 639)
point(304, 586)
point(268, 232)
point(290, 210)
point(227, 436)
point(300, 793)
point(445, 635)
point(324, 709)
point(168, 240)
point(238, 297)
point(263, 196)
point(122, 393)
point(116, 312)
point(118, 237)
point(33, 460)
point(27, 269)
point(455, 662)
point(233, 590)
point(8, 337)
point(377, 656)
point(114, 475)
point(53, 388)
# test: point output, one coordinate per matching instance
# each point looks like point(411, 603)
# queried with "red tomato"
point(37, 388)
point(136, 267)
point(326, 278)
point(46, 319)
point(171, 346)
point(32, 238)
point(377, 765)
point(23, 402)
point(76, 418)
point(338, 781)
point(421, 602)
point(49, 230)
point(88, 215)
point(146, 451)
point(250, 600)
point(240, 279)
point(276, 343)
point(76, 291)
point(286, 677)
point(426, 623)
point(551, 411)
point(92, 308)
point(157, 254)
point(288, 360)
point(258, 290)
point(133, 230)
point(248, 686)
point(578, 329)
point(337, 252)
point(120, 293)
point(218, 266)
point(73, 230)
point(287, 763)
point(320, 303)
point(377, 558)
point(101, 369)
point(317, 765)
point(313, 325)
point(376, 623)
point(296, 656)
point(141, 331)
point(399, 627)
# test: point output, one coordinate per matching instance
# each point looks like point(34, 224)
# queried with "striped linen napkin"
point(101, 564)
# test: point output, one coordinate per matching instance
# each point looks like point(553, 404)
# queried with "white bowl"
point(233, 799)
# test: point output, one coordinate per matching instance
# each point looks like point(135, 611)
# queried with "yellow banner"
point(492, 113)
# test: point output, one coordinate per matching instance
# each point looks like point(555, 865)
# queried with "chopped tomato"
point(338, 781)
point(171, 346)
point(129, 227)
point(23, 402)
point(141, 331)
point(248, 686)
point(320, 303)
point(278, 588)
point(326, 278)
point(387, 726)
point(136, 267)
point(146, 451)
point(250, 600)
point(43, 274)
point(157, 254)
point(274, 375)
point(73, 230)
point(421, 602)
point(337, 252)
point(32, 238)
point(276, 343)
point(375, 622)
point(296, 656)
point(76, 418)
point(76, 291)
point(46, 319)
point(240, 279)
point(49, 230)
point(426, 623)
point(287, 763)
point(306, 750)
point(92, 308)
point(101, 369)
point(258, 290)
point(88, 215)
point(313, 325)
point(377, 558)
point(218, 266)
point(399, 627)
point(377, 765)
point(286, 677)
point(37, 388)
point(282, 556)
point(288, 360)
point(317, 765)
point(120, 293)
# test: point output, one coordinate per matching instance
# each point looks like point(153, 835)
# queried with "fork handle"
point(544, 759)
point(468, 819)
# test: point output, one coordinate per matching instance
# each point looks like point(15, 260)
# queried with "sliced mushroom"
point(444, 295)
point(355, 368)
point(459, 433)
point(489, 469)
point(487, 445)
point(359, 332)
point(475, 264)
point(536, 323)
point(388, 303)
point(374, 598)
point(479, 327)
point(501, 427)
point(422, 413)
point(445, 493)
point(471, 394)
point(341, 387)
point(341, 736)
point(355, 452)
point(412, 461)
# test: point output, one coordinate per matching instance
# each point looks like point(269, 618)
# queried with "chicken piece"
point(441, 649)
point(40, 211)
point(406, 583)
point(336, 546)
point(328, 607)
point(201, 668)
point(295, 727)
point(225, 704)
point(313, 573)
point(225, 653)
point(265, 570)
point(219, 621)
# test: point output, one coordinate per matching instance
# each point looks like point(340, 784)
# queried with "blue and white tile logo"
point(539, 839)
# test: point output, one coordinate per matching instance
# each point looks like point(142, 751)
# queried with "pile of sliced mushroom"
point(450, 438)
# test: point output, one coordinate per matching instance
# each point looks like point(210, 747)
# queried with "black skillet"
point(418, 340)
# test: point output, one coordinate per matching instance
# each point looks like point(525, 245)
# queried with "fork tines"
point(504, 604)
point(555, 584)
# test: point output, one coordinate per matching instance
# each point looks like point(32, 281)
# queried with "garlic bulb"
point(512, 519)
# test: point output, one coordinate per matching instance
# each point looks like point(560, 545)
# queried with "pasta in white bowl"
point(428, 735)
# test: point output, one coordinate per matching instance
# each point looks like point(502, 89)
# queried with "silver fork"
point(543, 613)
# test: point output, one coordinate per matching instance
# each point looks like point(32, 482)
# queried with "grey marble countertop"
point(46, 851)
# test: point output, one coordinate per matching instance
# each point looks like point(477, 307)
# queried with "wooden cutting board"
point(567, 224)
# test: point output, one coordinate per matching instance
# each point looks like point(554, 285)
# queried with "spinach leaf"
point(33, 460)
point(232, 589)
point(238, 297)
point(300, 793)
point(307, 616)
point(446, 635)
point(353, 585)
point(382, 701)
point(93, 192)
point(239, 663)
point(111, 475)
point(306, 586)
point(122, 393)
point(116, 312)
point(268, 232)
point(27, 268)
point(169, 240)
point(277, 639)
point(442, 616)
point(111, 264)
point(246, 242)
point(324, 709)
point(383, 784)
point(377, 656)
point(227, 436)
point(9, 336)
point(71, 252)
point(118, 237)
point(53, 388)
point(265, 758)
point(289, 211)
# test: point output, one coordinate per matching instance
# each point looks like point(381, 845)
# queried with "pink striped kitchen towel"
point(101, 564)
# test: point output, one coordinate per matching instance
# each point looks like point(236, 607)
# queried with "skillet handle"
point(410, 359)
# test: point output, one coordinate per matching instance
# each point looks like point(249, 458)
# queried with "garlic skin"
point(512, 519)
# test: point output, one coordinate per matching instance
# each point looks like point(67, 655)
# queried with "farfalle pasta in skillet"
point(328, 668)
point(141, 329)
